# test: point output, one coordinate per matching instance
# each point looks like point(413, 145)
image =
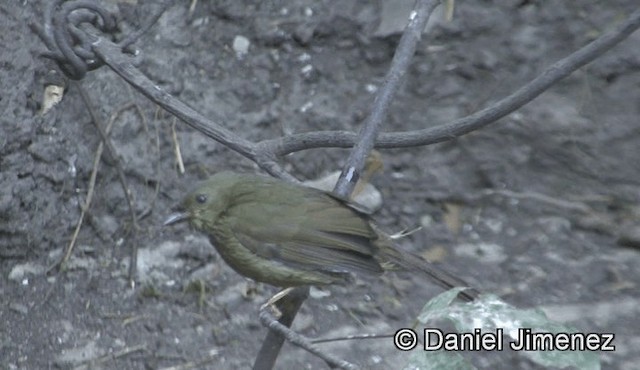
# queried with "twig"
point(292, 337)
point(127, 42)
point(449, 6)
point(158, 179)
point(352, 337)
point(192, 6)
point(367, 136)
point(176, 148)
point(92, 182)
point(561, 203)
point(123, 181)
point(85, 206)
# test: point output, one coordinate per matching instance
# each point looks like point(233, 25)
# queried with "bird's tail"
point(404, 260)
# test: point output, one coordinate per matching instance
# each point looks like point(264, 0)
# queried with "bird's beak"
point(175, 218)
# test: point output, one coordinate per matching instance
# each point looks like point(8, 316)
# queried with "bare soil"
point(541, 208)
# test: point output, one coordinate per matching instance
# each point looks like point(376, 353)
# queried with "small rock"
point(435, 254)
point(75, 356)
point(318, 293)
point(426, 221)
point(232, 295)
point(152, 258)
point(241, 45)
point(369, 197)
point(18, 272)
point(303, 322)
point(304, 33)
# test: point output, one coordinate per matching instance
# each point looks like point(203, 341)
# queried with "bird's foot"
point(271, 303)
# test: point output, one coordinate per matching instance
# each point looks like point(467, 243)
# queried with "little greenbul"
point(290, 235)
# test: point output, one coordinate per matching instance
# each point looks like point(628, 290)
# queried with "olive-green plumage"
point(288, 235)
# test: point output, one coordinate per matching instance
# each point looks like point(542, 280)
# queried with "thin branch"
point(459, 127)
point(92, 183)
point(176, 148)
point(121, 64)
point(150, 22)
point(292, 337)
point(352, 337)
point(399, 65)
point(121, 177)
point(543, 198)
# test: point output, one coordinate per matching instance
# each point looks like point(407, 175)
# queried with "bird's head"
point(202, 207)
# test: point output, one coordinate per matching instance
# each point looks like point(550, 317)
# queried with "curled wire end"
point(66, 33)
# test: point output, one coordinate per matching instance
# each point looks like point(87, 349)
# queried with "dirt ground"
point(541, 208)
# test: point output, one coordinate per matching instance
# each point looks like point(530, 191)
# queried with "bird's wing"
point(305, 228)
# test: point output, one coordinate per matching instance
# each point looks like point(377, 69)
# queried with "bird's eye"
point(201, 198)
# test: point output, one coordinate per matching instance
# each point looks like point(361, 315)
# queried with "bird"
point(289, 235)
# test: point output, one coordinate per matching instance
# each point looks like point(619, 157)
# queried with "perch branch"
point(292, 337)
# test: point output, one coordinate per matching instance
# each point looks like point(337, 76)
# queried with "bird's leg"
point(271, 303)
